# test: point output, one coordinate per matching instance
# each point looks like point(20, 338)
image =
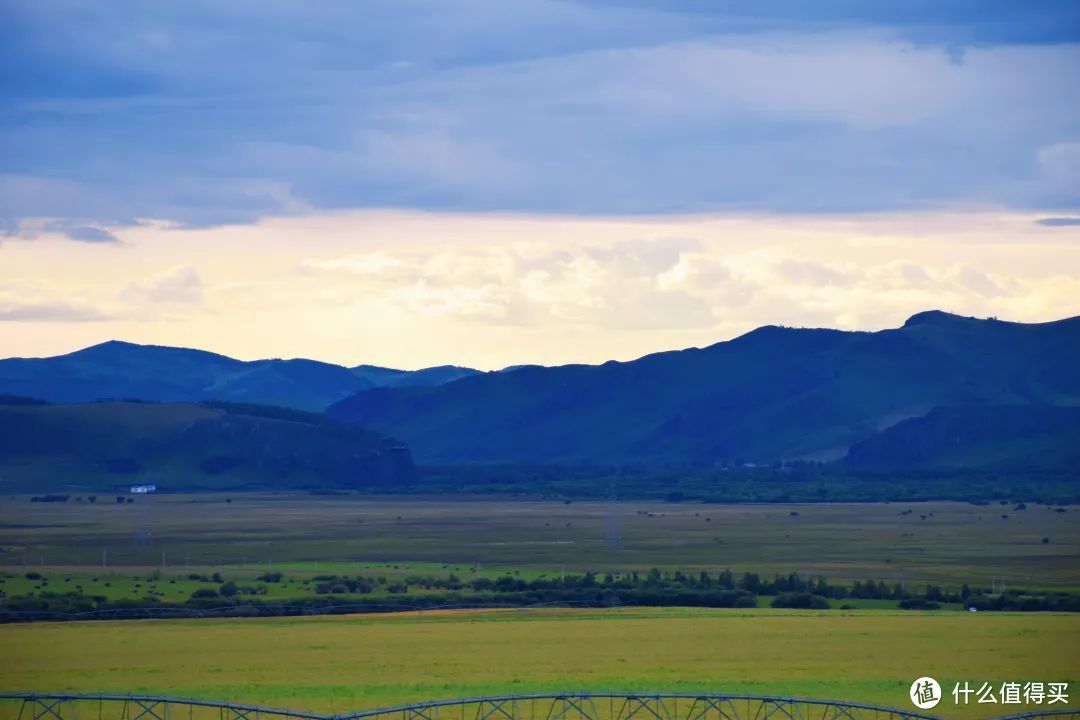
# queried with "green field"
point(346, 662)
point(338, 663)
point(941, 542)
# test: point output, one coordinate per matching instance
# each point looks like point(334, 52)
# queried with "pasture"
point(350, 662)
point(945, 543)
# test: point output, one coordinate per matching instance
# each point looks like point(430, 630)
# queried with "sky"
point(495, 182)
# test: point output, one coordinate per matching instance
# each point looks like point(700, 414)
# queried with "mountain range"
point(205, 446)
point(940, 391)
point(121, 370)
point(776, 393)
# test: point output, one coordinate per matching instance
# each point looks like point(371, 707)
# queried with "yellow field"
point(352, 662)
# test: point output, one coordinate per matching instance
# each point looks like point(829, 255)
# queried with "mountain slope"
point(188, 446)
point(990, 437)
point(119, 370)
point(427, 377)
point(774, 393)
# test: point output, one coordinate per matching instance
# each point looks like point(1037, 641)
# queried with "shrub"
point(801, 600)
point(919, 604)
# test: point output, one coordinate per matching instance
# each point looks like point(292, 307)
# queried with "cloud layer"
point(411, 289)
point(202, 113)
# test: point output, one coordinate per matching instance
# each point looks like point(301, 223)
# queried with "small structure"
point(142, 489)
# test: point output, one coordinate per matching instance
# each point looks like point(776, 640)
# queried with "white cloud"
point(809, 272)
point(175, 285)
point(49, 312)
point(416, 289)
point(978, 282)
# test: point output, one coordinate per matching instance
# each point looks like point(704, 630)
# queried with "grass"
point(945, 543)
point(870, 653)
point(338, 663)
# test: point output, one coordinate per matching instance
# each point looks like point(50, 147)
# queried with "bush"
point(228, 589)
point(204, 593)
point(802, 600)
point(919, 604)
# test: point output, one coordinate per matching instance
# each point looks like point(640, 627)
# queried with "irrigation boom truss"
point(554, 706)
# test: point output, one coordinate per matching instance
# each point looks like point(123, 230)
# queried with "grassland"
point(344, 662)
point(336, 663)
point(244, 535)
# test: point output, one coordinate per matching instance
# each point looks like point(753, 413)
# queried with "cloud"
point(627, 284)
point(979, 282)
point(1058, 222)
point(81, 233)
point(414, 289)
point(809, 272)
point(49, 312)
point(176, 285)
point(545, 107)
point(31, 229)
point(900, 275)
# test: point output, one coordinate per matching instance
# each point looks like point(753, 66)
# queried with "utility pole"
point(104, 559)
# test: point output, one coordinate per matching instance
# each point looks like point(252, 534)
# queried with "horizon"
point(932, 311)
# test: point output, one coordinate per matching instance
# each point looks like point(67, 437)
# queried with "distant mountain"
point(990, 437)
point(184, 446)
point(120, 370)
point(774, 393)
point(427, 377)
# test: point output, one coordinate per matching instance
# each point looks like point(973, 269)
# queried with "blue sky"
point(207, 113)
point(493, 182)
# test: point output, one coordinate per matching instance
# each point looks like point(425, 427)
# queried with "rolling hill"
point(775, 393)
point(185, 446)
point(121, 371)
point(991, 437)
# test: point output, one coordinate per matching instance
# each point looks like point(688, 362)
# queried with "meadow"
point(946, 543)
point(169, 546)
point(338, 663)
